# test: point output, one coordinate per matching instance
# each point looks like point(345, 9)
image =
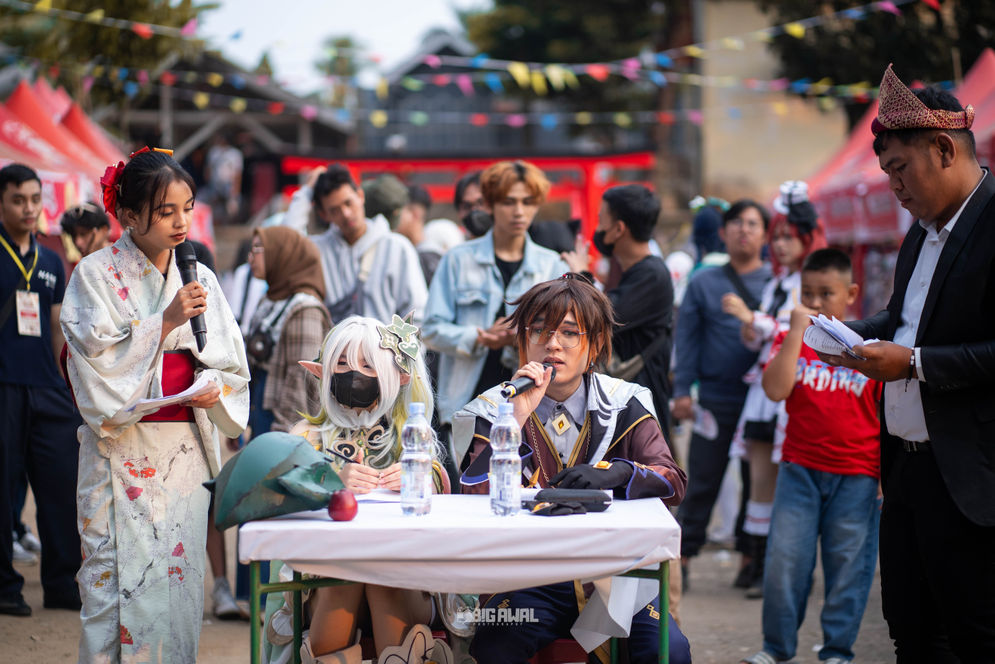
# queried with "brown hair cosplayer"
point(552, 300)
point(498, 179)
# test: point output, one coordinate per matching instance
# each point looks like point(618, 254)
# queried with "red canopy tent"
point(76, 121)
point(34, 149)
point(57, 104)
point(24, 104)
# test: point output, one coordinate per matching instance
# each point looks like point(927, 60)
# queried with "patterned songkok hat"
point(899, 108)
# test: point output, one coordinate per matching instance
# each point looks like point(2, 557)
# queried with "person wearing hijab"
point(289, 325)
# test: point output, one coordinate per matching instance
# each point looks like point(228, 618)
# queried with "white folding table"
point(460, 547)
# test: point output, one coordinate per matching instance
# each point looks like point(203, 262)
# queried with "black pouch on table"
point(559, 502)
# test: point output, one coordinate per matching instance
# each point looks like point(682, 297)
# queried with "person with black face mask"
point(369, 373)
point(467, 311)
point(644, 296)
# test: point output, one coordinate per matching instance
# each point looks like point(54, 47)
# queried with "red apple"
point(342, 506)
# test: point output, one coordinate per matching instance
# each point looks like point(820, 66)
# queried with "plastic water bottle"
point(506, 465)
point(416, 462)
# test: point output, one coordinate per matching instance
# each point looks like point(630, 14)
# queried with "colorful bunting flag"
point(520, 72)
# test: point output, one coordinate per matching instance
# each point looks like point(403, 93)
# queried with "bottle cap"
point(416, 408)
point(506, 408)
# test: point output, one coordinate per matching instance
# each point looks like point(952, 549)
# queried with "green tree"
point(342, 60)
point(70, 49)
point(574, 31)
point(264, 68)
point(585, 31)
point(922, 43)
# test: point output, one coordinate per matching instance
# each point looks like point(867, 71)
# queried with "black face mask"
point(477, 222)
point(599, 244)
point(353, 389)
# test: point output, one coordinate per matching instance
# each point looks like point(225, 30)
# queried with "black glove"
point(585, 476)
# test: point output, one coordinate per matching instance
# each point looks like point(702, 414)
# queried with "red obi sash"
point(177, 375)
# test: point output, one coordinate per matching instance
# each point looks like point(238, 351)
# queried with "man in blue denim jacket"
point(467, 311)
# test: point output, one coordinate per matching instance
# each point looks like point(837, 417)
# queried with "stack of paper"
point(832, 337)
point(201, 386)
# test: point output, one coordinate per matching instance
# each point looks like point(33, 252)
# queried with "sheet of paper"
point(831, 336)
point(379, 496)
point(200, 386)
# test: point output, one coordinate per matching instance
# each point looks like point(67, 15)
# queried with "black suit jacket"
point(957, 337)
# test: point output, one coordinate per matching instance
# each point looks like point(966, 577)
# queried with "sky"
point(293, 30)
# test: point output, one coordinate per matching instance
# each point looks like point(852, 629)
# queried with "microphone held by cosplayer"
point(523, 384)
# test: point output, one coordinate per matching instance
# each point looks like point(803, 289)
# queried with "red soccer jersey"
point(832, 417)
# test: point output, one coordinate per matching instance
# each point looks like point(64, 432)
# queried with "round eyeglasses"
point(565, 337)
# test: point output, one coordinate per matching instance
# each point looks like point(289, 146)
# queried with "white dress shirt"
point(903, 412)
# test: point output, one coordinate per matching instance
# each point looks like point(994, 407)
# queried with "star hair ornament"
point(899, 108)
point(401, 338)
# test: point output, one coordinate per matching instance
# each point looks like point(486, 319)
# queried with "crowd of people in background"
point(718, 344)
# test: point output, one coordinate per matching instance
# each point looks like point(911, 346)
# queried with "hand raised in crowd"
point(579, 259)
point(312, 177)
point(525, 402)
point(208, 399)
point(883, 360)
point(682, 408)
point(800, 317)
point(733, 305)
point(187, 303)
point(390, 477)
point(497, 336)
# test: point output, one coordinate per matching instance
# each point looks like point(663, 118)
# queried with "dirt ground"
point(721, 625)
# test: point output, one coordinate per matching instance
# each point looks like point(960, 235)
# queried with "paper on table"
point(832, 337)
point(200, 386)
point(379, 496)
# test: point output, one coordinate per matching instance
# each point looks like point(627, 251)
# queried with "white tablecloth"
point(461, 547)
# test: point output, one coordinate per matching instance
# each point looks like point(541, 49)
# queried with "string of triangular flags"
point(380, 118)
point(133, 81)
point(663, 59)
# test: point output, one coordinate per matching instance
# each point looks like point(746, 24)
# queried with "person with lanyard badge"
point(130, 325)
point(41, 439)
point(581, 429)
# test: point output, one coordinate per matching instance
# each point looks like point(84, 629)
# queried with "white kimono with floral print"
point(142, 510)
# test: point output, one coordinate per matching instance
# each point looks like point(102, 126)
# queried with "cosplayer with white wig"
point(369, 373)
point(365, 392)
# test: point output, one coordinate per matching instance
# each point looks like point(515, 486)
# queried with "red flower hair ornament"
point(111, 181)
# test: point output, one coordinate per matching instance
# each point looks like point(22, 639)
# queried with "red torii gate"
point(578, 180)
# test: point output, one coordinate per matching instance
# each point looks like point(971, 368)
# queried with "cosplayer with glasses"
point(584, 430)
point(795, 232)
point(141, 505)
point(369, 373)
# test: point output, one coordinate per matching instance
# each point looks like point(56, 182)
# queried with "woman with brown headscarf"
point(288, 326)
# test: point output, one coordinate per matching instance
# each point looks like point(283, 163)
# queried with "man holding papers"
point(938, 427)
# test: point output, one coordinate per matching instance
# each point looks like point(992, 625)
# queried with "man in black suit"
point(937, 356)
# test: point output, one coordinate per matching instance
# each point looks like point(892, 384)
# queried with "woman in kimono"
point(584, 430)
point(369, 373)
point(141, 507)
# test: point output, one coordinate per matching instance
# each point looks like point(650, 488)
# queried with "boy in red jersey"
point(827, 486)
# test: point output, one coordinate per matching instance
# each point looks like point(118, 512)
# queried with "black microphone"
point(523, 383)
point(186, 261)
